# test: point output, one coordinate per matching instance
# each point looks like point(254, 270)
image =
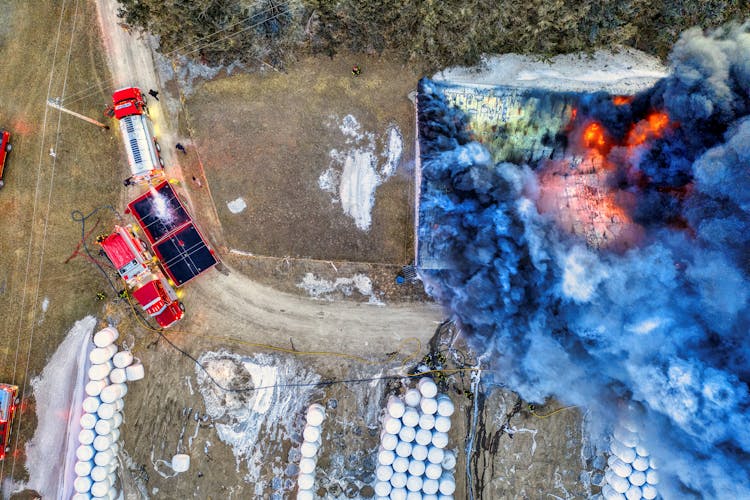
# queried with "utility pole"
point(55, 103)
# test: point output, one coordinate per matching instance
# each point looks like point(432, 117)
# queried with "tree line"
point(431, 33)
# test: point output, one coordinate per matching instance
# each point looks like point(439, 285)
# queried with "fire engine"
point(142, 276)
point(129, 107)
point(8, 404)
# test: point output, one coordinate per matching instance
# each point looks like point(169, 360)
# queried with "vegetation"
point(432, 33)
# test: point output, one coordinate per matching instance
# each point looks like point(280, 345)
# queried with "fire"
point(652, 127)
point(593, 136)
point(621, 100)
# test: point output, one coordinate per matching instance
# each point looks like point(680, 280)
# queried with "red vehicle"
point(129, 107)
point(5, 148)
point(143, 278)
point(8, 404)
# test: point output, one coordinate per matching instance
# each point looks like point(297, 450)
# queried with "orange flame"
point(593, 136)
point(620, 100)
point(652, 127)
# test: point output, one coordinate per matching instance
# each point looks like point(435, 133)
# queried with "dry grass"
point(276, 132)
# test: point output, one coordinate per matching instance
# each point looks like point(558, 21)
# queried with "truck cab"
point(144, 279)
point(5, 148)
point(8, 404)
point(144, 159)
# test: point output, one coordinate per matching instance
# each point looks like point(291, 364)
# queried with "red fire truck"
point(142, 276)
point(8, 404)
point(129, 107)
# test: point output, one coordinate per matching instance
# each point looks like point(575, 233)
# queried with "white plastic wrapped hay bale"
point(652, 477)
point(309, 449)
point(101, 355)
point(311, 433)
point(99, 473)
point(414, 495)
point(383, 472)
point(116, 419)
point(403, 449)
point(391, 424)
point(106, 336)
point(445, 405)
point(91, 404)
point(104, 457)
point(100, 489)
point(398, 480)
point(649, 492)
point(316, 413)
point(634, 493)
point(135, 371)
point(410, 418)
point(102, 443)
point(626, 437)
point(407, 434)
point(416, 467)
point(447, 484)
point(105, 410)
point(412, 398)
point(609, 493)
point(100, 371)
point(82, 484)
point(435, 454)
point(433, 471)
point(94, 387)
point(621, 451)
point(88, 420)
point(395, 406)
point(427, 387)
point(83, 468)
point(118, 376)
point(442, 424)
point(386, 457)
point(306, 465)
point(306, 481)
point(426, 421)
point(619, 484)
point(423, 437)
point(180, 462)
point(383, 488)
point(419, 452)
point(388, 441)
point(621, 468)
point(86, 436)
point(439, 439)
point(449, 460)
point(640, 463)
point(305, 495)
point(400, 464)
point(431, 485)
point(113, 392)
point(398, 494)
point(414, 483)
point(637, 478)
point(85, 452)
point(428, 406)
point(104, 426)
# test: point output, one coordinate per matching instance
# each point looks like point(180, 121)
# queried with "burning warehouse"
point(594, 245)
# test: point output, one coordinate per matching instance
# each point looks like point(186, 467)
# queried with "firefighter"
point(180, 147)
point(153, 93)
point(100, 296)
point(356, 70)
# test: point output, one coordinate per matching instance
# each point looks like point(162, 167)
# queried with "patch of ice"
point(626, 71)
point(329, 181)
point(59, 387)
point(321, 288)
point(357, 189)
point(236, 206)
point(45, 304)
point(262, 414)
point(392, 152)
point(353, 173)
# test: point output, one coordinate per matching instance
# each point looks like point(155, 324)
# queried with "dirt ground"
point(44, 284)
point(276, 133)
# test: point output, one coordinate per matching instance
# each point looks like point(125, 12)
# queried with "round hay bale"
point(135, 371)
point(106, 336)
point(82, 484)
point(85, 452)
point(427, 387)
point(83, 468)
point(180, 462)
point(395, 406)
point(123, 359)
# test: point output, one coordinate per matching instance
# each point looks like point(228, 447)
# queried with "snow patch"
point(262, 414)
point(353, 174)
point(58, 392)
point(321, 288)
point(626, 72)
point(236, 206)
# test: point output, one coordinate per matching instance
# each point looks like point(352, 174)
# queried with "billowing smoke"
point(664, 323)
